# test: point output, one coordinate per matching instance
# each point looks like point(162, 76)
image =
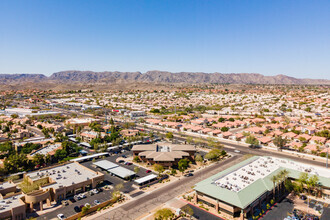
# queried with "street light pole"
point(327, 156)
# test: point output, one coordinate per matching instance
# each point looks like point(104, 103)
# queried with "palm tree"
point(274, 180)
point(303, 179)
point(284, 175)
point(313, 182)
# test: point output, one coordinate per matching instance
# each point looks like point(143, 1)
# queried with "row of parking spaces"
point(74, 204)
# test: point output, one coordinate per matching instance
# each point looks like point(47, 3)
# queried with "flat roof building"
point(12, 207)
point(241, 188)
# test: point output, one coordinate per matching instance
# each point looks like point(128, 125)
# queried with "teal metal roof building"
point(240, 188)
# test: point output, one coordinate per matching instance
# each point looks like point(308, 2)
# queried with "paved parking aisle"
point(69, 209)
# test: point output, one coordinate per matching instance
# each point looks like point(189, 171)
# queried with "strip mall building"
point(57, 183)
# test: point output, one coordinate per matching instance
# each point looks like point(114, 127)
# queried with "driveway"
point(202, 214)
point(149, 201)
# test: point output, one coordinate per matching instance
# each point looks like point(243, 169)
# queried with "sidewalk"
point(284, 152)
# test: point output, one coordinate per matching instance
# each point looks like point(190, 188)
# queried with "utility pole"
point(327, 156)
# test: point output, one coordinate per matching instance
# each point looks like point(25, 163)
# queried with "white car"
point(237, 151)
point(60, 216)
point(82, 195)
point(97, 202)
point(95, 191)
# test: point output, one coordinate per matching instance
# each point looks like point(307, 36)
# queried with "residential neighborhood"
point(133, 143)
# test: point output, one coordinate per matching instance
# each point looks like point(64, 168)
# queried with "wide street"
point(147, 202)
point(231, 147)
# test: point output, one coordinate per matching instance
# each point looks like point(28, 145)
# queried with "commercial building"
point(165, 154)
point(135, 114)
point(23, 112)
point(65, 180)
point(80, 121)
point(243, 187)
point(12, 207)
point(56, 183)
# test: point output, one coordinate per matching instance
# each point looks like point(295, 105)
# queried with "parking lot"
point(285, 210)
point(114, 180)
point(68, 210)
point(105, 195)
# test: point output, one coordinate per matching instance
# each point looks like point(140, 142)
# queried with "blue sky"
point(229, 36)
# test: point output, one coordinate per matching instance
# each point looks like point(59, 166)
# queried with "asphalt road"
point(148, 201)
point(230, 147)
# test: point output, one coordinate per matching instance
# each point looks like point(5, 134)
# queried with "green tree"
point(183, 164)
point(17, 162)
point(187, 210)
point(173, 172)
point(136, 169)
point(274, 179)
point(199, 158)
point(164, 214)
point(189, 140)
point(38, 159)
point(252, 140)
point(169, 135)
point(221, 119)
point(14, 115)
point(136, 159)
point(279, 142)
point(158, 168)
point(84, 210)
point(313, 183)
point(213, 154)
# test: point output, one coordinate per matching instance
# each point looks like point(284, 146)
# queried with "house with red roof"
point(310, 148)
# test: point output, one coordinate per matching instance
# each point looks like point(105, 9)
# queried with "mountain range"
point(150, 77)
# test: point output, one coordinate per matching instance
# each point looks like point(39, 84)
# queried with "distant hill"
point(84, 78)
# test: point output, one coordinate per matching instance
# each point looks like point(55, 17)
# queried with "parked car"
point(188, 174)
point(77, 209)
point(73, 200)
point(60, 216)
point(237, 151)
point(124, 156)
point(65, 202)
point(82, 195)
point(91, 193)
point(77, 197)
point(97, 202)
point(95, 191)
point(87, 205)
point(121, 161)
point(148, 171)
point(128, 163)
